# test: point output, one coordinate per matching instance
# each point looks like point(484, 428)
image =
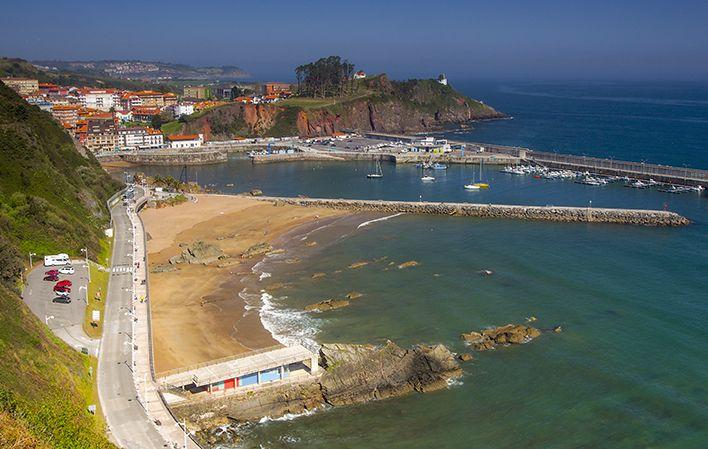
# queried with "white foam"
point(454, 382)
point(263, 275)
point(287, 416)
point(287, 326)
point(367, 223)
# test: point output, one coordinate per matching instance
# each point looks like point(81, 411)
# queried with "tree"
point(326, 77)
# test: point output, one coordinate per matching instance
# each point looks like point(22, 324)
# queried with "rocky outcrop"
point(548, 213)
point(389, 106)
point(198, 253)
point(409, 264)
point(511, 334)
point(353, 374)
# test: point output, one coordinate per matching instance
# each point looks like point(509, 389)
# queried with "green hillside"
point(51, 199)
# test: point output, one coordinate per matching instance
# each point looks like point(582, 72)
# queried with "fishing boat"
point(378, 174)
point(427, 178)
point(471, 187)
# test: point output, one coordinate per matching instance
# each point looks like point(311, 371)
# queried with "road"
point(65, 320)
point(128, 423)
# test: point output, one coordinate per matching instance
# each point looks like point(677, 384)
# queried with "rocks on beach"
point(360, 264)
point(502, 335)
point(198, 252)
point(409, 264)
point(257, 250)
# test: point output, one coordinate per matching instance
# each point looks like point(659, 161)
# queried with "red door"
point(229, 383)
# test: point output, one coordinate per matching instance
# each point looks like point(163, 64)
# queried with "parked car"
point(68, 269)
point(62, 299)
point(64, 283)
point(61, 288)
point(52, 272)
point(51, 277)
point(62, 294)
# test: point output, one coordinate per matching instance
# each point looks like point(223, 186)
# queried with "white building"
point(183, 109)
point(180, 141)
point(101, 99)
point(360, 75)
point(442, 79)
point(124, 116)
point(139, 138)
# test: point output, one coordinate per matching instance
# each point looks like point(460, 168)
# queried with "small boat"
point(482, 185)
point(437, 166)
point(378, 174)
point(229, 184)
point(427, 178)
point(637, 185)
point(471, 187)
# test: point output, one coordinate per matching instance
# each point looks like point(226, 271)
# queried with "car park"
point(62, 299)
point(68, 269)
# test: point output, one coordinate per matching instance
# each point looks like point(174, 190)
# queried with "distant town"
point(108, 119)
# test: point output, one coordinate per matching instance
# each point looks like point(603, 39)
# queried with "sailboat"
point(477, 185)
point(424, 177)
point(378, 174)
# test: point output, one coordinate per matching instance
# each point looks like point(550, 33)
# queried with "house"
point(145, 113)
point(101, 133)
point(124, 116)
point(23, 86)
point(66, 114)
point(360, 75)
point(183, 108)
point(276, 88)
point(244, 100)
point(180, 141)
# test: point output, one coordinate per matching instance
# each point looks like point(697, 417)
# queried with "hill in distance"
point(145, 70)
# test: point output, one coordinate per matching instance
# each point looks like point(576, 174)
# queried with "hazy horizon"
point(546, 40)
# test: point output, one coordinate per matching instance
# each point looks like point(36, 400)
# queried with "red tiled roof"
point(183, 137)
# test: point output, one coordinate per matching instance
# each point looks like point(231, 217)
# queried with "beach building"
point(276, 88)
point(181, 141)
point(23, 86)
point(246, 371)
point(197, 92)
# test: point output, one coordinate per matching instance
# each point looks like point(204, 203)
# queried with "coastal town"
point(109, 119)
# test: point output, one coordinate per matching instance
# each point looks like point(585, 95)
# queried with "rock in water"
point(318, 275)
point(410, 263)
point(354, 295)
point(327, 304)
point(465, 357)
point(493, 337)
point(356, 265)
point(360, 373)
point(256, 192)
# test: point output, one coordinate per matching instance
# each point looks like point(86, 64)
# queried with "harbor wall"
point(397, 158)
point(547, 213)
point(167, 157)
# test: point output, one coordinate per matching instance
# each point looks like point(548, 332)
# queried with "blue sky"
point(542, 39)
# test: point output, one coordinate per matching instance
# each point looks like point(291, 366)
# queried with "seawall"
point(166, 157)
point(637, 217)
point(397, 158)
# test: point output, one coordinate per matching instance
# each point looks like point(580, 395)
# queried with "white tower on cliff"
point(442, 79)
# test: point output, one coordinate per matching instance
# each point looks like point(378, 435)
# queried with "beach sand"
point(197, 314)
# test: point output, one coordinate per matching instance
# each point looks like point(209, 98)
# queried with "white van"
point(56, 259)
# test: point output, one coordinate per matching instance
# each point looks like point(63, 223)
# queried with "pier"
point(638, 217)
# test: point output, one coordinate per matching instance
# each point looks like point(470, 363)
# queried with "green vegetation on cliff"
point(51, 199)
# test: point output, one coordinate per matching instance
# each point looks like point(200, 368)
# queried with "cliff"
point(377, 104)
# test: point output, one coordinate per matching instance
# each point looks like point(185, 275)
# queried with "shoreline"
point(207, 303)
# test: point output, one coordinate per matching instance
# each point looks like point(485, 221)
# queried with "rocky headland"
point(510, 334)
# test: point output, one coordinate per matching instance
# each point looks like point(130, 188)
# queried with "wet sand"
point(197, 313)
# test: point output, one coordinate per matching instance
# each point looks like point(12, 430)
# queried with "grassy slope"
point(51, 199)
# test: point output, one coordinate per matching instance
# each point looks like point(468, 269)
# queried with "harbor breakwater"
point(397, 158)
point(637, 217)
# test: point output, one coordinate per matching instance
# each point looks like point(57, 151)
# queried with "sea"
point(630, 367)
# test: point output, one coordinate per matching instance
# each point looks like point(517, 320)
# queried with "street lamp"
point(88, 269)
point(30, 257)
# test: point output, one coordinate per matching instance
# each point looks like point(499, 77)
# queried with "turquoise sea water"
point(629, 370)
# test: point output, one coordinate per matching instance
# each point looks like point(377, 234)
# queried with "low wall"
point(167, 157)
point(398, 158)
point(548, 213)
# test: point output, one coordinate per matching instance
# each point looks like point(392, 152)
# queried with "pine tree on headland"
point(326, 77)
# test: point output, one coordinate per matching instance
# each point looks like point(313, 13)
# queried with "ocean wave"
point(367, 223)
point(288, 416)
point(263, 275)
point(454, 382)
point(287, 326)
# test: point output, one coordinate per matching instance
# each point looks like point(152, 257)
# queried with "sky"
point(540, 39)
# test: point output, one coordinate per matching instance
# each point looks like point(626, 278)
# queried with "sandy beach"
point(197, 314)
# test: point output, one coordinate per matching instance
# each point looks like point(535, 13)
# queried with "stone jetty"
point(637, 217)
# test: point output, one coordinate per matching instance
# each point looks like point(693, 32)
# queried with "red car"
point(62, 288)
point(52, 273)
point(51, 277)
point(64, 283)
